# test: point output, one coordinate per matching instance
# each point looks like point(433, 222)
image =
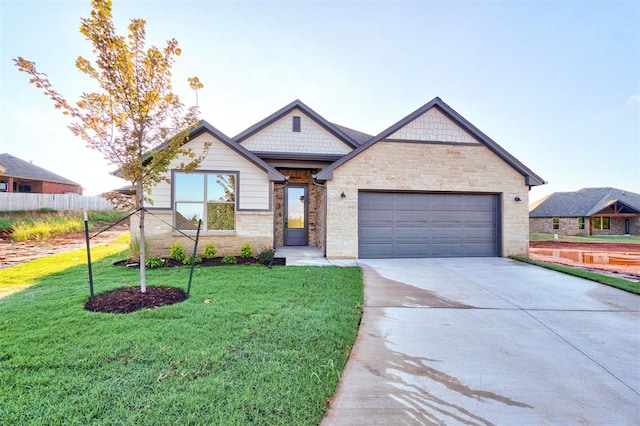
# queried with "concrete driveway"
point(490, 341)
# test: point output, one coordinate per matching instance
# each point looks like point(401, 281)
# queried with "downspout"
point(326, 196)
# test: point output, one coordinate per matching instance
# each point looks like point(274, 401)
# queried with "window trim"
point(582, 223)
point(555, 223)
point(601, 220)
point(206, 173)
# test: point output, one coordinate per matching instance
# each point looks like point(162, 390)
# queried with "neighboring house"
point(431, 185)
point(589, 211)
point(23, 176)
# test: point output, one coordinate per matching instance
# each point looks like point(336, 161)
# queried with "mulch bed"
point(216, 261)
point(130, 299)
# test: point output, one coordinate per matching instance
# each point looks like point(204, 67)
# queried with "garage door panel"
point(379, 250)
point(412, 216)
point(427, 225)
point(377, 233)
point(376, 216)
point(412, 233)
point(412, 250)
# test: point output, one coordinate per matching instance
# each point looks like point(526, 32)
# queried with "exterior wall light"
point(343, 195)
point(518, 199)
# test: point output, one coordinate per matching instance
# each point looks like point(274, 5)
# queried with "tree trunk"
point(143, 254)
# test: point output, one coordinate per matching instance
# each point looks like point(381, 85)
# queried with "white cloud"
point(632, 99)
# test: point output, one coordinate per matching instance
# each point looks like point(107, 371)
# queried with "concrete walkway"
point(489, 341)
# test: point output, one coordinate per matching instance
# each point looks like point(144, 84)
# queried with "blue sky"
point(557, 84)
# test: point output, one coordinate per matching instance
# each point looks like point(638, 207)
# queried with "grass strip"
point(18, 277)
point(42, 225)
point(619, 283)
point(251, 345)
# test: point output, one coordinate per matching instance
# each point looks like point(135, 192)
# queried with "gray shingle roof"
point(18, 168)
point(584, 203)
point(359, 137)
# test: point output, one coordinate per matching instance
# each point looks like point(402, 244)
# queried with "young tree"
point(134, 120)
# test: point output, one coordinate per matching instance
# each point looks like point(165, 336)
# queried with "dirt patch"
point(605, 247)
point(13, 253)
point(623, 257)
point(130, 299)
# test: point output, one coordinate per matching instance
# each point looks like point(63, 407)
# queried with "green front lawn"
point(619, 283)
point(250, 346)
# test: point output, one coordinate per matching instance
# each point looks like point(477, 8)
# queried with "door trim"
point(296, 236)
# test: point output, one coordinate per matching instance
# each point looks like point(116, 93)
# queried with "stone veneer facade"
point(425, 167)
point(300, 176)
point(255, 228)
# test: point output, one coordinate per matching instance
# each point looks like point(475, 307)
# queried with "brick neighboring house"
point(589, 211)
point(430, 185)
point(17, 175)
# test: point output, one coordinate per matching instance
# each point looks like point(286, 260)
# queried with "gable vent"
point(296, 124)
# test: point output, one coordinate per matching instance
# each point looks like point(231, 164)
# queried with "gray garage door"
point(427, 225)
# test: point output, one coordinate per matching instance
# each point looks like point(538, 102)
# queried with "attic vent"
point(296, 124)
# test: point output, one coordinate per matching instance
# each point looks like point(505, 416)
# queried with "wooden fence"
point(11, 201)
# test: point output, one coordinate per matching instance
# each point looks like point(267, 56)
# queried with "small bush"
point(229, 259)
point(153, 262)
point(134, 249)
point(246, 251)
point(177, 252)
point(265, 255)
point(187, 260)
point(210, 251)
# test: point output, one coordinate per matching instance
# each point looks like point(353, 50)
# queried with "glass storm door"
point(296, 215)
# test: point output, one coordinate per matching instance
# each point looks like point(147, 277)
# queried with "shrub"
point(210, 251)
point(246, 251)
point(153, 262)
point(229, 259)
point(134, 249)
point(177, 252)
point(187, 260)
point(265, 255)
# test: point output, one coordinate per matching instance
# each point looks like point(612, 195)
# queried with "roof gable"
point(586, 202)
point(297, 107)
point(204, 126)
point(463, 130)
point(17, 168)
point(432, 126)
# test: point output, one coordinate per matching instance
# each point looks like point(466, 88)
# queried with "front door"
point(296, 215)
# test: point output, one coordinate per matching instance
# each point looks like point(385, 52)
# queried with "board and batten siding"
point(253, 182)
point(280, 137)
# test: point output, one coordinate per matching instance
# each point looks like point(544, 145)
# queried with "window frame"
point(602, 221)
point(204, 202)
point(555, 223)
point(582, 223)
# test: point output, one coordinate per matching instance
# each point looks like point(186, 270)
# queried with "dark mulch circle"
point(130, 299)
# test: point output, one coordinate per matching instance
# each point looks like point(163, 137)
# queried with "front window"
point(207, 196)
point(601, 223)
point(581, 223)
point(556, 223)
